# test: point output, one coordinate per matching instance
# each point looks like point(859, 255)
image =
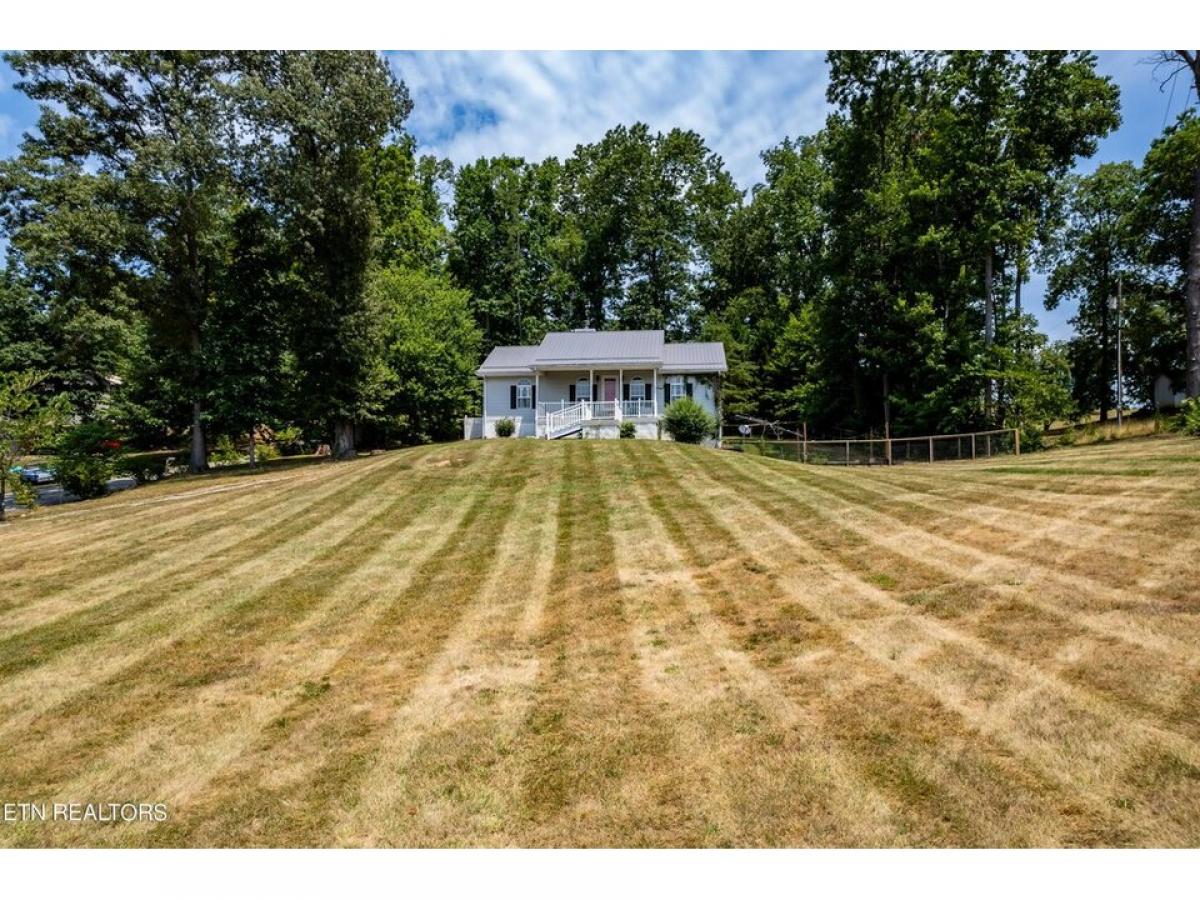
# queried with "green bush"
point(225, 452)
point(688, 422)
point(628, 430)
point(86, 458)
point(1032, 439)
point(505, 428)
point(1188, 420)
point(289, 441)
point(264, 452)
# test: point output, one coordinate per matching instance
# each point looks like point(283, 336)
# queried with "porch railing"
point(561, 417)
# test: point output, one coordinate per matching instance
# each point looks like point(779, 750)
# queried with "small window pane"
point(637, 389)
point(524, 395)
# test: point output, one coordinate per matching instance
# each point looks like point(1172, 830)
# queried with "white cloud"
point(472, 104)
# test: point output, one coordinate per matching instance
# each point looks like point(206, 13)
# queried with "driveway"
point(53, 494)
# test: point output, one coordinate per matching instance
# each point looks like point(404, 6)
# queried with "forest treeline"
point(202, 243)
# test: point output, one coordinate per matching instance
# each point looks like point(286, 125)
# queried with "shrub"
point(1188, 420)
point(628, 430)
point(225, 451)
point(1032, 439)
point(264, 452)
point(87, 457)
point(1068, 438)
point(505, 428)
point(288, 440)
point(688, 422)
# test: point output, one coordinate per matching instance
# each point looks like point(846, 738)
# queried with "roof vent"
point(583, 330)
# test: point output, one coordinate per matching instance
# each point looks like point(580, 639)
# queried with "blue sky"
point(538, 104)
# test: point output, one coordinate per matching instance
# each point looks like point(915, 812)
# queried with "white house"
point(587, 382)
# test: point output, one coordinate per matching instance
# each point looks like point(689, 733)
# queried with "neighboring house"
point(587, 382)
point(1165, 395)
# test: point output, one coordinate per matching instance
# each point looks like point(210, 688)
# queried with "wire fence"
point(781, 442)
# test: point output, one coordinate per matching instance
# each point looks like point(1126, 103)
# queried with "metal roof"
point(694, 357)
point(612, 349)
point(508, 361)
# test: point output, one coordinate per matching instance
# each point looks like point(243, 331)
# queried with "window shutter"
point(667, 394)
point(512, 396)
point(689, 388)
point(571, 392)
point(625, 393)
point(533, 396)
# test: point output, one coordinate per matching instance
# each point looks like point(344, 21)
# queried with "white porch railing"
point(559, 418)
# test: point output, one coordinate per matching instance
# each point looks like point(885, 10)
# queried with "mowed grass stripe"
point(1008, 535)
point(443, 775)
point(1031, 710)
point(50, 530)
point(801, 792)
point(596, 760)
point(223, 720)
point(311, 759)
point(112, 709)
point(933, 766)
point(180, 553)
point(193, 605)
point(1103, 612)
point(41, 643)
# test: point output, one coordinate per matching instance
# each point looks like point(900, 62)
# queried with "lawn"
point(524, 643)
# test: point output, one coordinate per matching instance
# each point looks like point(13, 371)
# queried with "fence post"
point(847, 453)
point(988, 439)
point(1017, 438)
point(806, 440)
point(931, 449)
point(972, 445)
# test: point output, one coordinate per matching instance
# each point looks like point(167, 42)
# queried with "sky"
point(539, 104)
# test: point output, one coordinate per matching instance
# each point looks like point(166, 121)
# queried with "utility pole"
point(1114, 303)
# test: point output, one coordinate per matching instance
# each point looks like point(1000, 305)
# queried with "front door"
point(610, 389)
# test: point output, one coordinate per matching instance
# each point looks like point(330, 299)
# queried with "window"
point(524, 395)
point(583, 389)
point(678, 390)
point(637, 389)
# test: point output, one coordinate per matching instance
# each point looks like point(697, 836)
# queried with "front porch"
point(564, 418)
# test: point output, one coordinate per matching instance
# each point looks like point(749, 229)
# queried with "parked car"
point(36, 475)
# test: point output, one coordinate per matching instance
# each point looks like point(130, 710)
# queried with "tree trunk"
point(343, 439)
point(1191, 293)
point(1105, 350)
point(251, 448)
point(989, 326)
point(199, 462)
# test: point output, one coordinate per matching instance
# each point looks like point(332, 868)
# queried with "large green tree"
point(132, 154)
point(319, 117)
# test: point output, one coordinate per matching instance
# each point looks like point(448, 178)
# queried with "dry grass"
point(521, 643)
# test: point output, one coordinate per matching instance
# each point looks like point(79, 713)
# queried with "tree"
point(248, 354)
point(319, 116)
point(1189, 61)
point(28, 421)
point(431, 349)
point(507, 248)
point(1097, 247)
point(147, 134)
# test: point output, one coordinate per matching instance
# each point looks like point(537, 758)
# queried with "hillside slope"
point(617, 643)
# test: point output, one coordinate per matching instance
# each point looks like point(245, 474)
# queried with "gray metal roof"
point(508, 360)
point(615, 349)
point(573, 348)
point(694, 357)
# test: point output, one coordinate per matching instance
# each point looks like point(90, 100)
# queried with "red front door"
point(610, 389)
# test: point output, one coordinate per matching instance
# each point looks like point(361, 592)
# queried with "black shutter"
point(512, 396)
point(689, 389)
point(625, 395)
point(666, 393)
point(533, 396)
point(571, 392)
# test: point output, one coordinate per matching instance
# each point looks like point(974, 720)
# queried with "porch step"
point(567, 432)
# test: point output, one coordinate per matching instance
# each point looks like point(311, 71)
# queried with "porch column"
point(654, 390)
point(591, 385)
point(620, 387)
point(537, 381)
